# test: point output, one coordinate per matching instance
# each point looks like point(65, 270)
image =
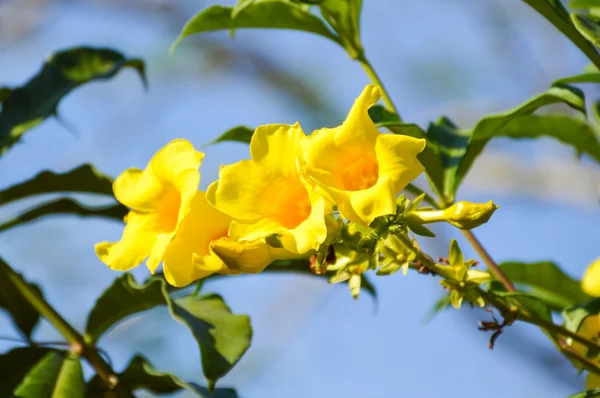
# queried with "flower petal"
point(247, 257)
point(397, 158)
point(173, 159)
point(139, 237)
point(591, 279)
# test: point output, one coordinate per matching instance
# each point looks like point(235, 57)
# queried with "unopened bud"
point(463, 215)
point(467, 215)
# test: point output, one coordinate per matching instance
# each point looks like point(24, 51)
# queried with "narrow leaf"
point(274, 14)
point(236, 134)
point(546, 281)
point(83, 179)
point(64, 206)
point(15, 364)
point(24, 315)
point(513, 124)
point(555, 12)
point(588, 26)
point(26, 106)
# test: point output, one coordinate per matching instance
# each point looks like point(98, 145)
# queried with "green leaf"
point(274, 14)
point(236, 134)
point(587, 394)
point(56, 375)
point(450, 145)
point(589, 26)
point(65, 206)
point(575, 315)
point(533, 305)
point(121, 300)
point(441, 304)
point(455, 256)
point(555, 12)
point(222, 336)
point(83, 179)
point(15, 364)
point(587, 77)
point(585, 3)
point(421, 230)
point(24, 315)
point(344, 18)
point(515, 124)
point(546, 281)
point(141, 375)
point(62, 72)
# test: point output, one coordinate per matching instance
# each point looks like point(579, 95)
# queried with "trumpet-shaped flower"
point(159, 197)
point(357, 167)
point(267, 195)
point(202, 247)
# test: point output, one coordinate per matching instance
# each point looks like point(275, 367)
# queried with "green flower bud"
point(463, 215)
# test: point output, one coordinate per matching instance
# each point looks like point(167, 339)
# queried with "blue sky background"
point(462, 58)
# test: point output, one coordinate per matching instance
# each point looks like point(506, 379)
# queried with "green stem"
point(489, 261)
point(520, 314)
point(75, 339)
point(387, 100)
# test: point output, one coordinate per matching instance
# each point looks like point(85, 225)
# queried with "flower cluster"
point(277, 204)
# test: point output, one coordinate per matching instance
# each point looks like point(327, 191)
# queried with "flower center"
point(286, 201)
point(168, 210)
point(360, 172)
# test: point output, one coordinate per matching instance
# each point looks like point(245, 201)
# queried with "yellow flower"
point(590, 329)
point(357, 167)
point(267, 195)
point(159, 197)
point(202, 247)
point(591, 279)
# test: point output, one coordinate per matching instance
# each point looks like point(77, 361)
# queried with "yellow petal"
point(139, 237)
point(267, 194)
point(146, 190)
point(591, 279)
point(247, 257)
point(357, 167)
point(202, 225)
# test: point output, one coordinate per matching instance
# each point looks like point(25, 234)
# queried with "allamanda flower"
point(591, 279)
point(202, 246)
point(357, 167)
point(267, 195)
point(160, 196)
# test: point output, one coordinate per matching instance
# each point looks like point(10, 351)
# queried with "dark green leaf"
point(4, 93)
point(65, 206)
point(546, 281)
point(555, 12)
point(275, 14)
point(23, 314)
point(589, 26)
point(587, 394)
point(518, 123)
point(344, 18)
point(62, 72)
point(56, 375)
point(532, 305)
point(575, 316)
point(449, 143)
point(84, 179)
point(121, 300)
point(141, 375)
point(222, 336)
point(237, 134)
point(15, 364)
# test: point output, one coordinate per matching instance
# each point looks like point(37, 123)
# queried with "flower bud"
point(463, 215)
